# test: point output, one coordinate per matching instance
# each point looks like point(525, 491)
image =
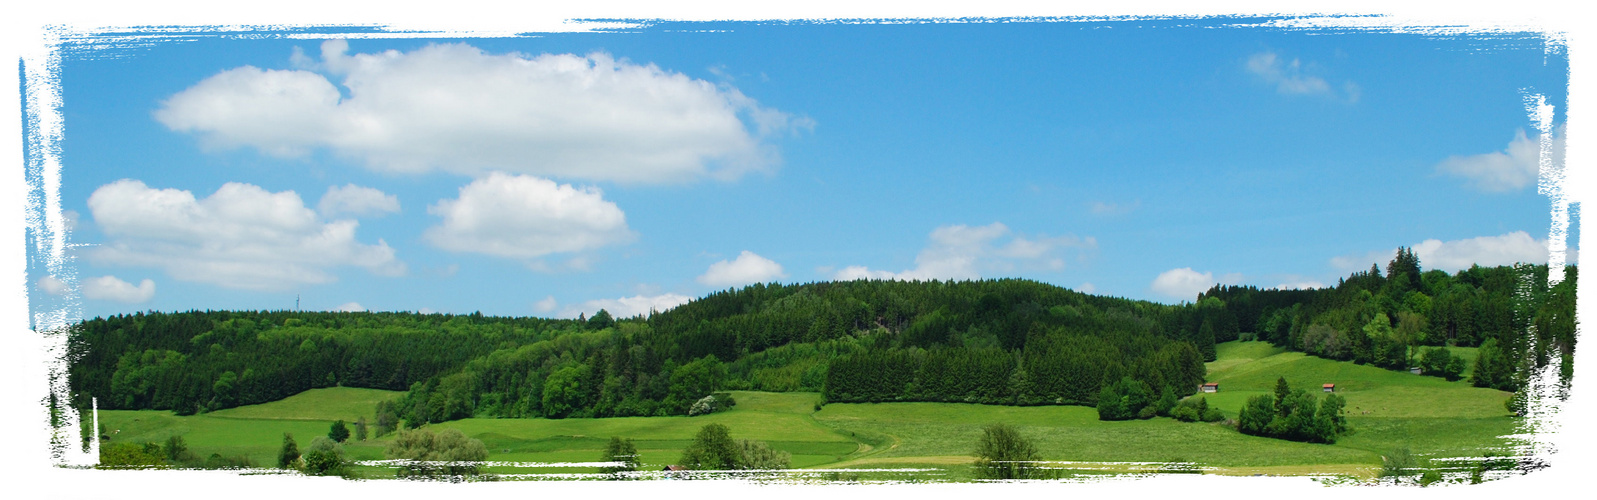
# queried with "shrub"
point(621, 451)
point(1002, 453)
point(177, 452)
point(1440, 362)
point(325, 457)
point(424, 449)
point(1196, 409)
point(1399, 463)
point(131, 455)
point(757, 455)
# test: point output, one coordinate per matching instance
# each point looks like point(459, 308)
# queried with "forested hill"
point(767, 337)
point(992, 341)
point(1389, 319)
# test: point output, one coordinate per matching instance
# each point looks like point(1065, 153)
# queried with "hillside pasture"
point(924, 441)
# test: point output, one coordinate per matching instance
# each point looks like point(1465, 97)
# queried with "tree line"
point(1407, 317)
point(1007, 341)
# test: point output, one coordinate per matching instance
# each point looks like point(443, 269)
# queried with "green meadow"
point(1387, 410)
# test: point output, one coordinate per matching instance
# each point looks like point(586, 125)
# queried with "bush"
point(1002, 453)
point(621, 451)
point(1399, 463)
point(325, 457)
point(177, 452)
point(1440, 362)
point(1196, 409)
point(131, 455)
point(424, 449)
point(756, 455)
point(217, 461)
point(719, 401)
point(1516, 403)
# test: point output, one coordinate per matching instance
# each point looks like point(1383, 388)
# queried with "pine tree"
point(289, 455)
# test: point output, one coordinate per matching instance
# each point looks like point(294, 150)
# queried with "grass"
point(1387, 410)
point(329, 404)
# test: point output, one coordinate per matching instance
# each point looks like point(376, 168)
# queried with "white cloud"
point(350, 307)
point(627, 307)
point(356, 201)
point(241, 236)
point(1289, 77)
point(545, 305)
point(1102, 208)
point(1508, 249)
point(1350, 263)
point(748, 268)
point(1184, 283)
point(1087, 288)
point(1300, 285)
point(525, 217)
point(961, 252)
point(1511, 169)
point(52, 285)
point(113, 289)
point(454, 108)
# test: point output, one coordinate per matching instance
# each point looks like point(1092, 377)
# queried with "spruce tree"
point(289, 454)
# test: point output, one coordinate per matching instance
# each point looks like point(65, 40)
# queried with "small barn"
point(1210, 387)
point(1328, 387)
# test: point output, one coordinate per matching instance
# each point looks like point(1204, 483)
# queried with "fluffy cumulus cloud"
point(1291, 77)
point(455, 108)
point(1184, 283)
point(51, 285)
point(627, 307)
point(113, 289)
point(1511, 169)
point(356, 201)
point(961, 252)
point(746, 269)
point(525, 217)
point(350, 307)
point(241, 236)
point(1508, 249)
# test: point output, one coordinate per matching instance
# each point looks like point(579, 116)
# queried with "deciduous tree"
point(623, 453)
point(1002, 453)
point(712, 449)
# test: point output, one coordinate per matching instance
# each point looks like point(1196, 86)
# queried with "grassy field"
point(1388, 410)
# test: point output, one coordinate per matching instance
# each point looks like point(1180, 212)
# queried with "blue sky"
point(557, 174)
